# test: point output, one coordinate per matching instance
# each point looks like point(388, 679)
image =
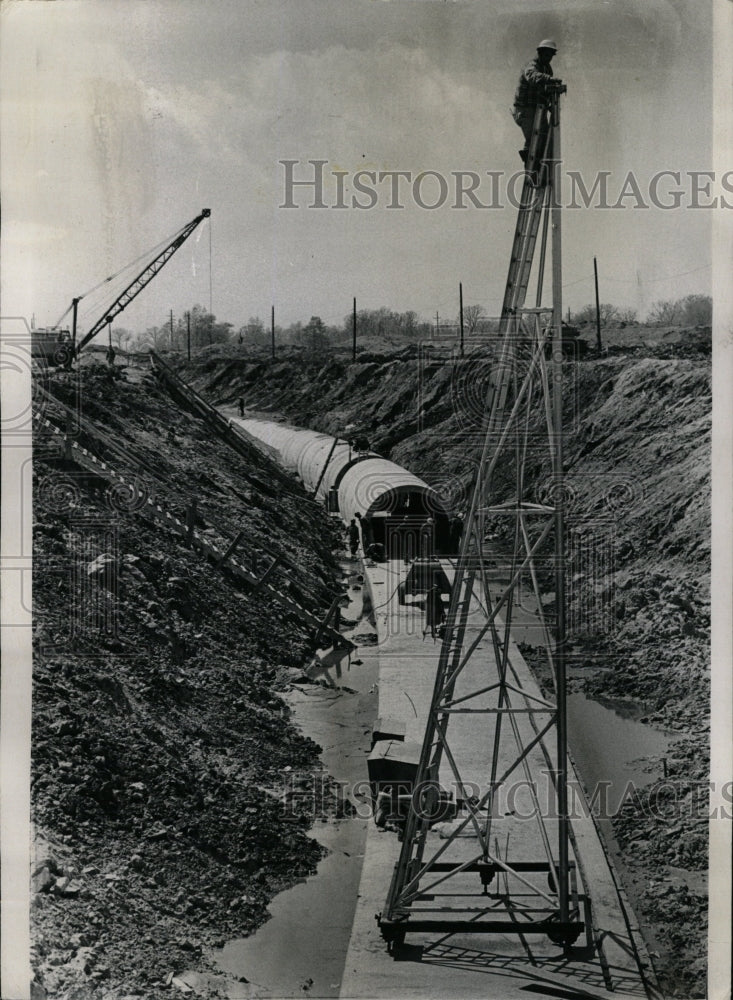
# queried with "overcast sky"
point(121, 120)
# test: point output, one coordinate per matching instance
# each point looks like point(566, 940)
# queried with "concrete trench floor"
point(322, 939)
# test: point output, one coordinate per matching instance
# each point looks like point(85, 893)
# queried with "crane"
point(132, 290)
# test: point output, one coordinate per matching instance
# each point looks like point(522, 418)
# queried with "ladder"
point(434, 887)
point(533, 202)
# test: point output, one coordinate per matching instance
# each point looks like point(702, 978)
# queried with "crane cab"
point(51, 347)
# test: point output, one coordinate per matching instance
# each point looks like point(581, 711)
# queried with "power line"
point(635, 281)
point(652, 281)
point(568, 284)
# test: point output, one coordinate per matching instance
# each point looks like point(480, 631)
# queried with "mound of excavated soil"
point(160, 744)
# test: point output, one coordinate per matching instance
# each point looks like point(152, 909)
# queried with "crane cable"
point(132, 263)
point(153, 254)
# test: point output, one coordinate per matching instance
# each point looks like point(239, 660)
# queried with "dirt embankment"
point(160, 743)
point(638, 481)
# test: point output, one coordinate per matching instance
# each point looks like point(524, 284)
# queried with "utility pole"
point(460, 299)
point(437, 324)
point(272, 330)
point(75, 303)
point(171, 329)
point(211, 287)
point(188, 335)
point(598, 305)
point(353, 330)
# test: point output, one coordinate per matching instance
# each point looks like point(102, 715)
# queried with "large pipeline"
point(396, 508)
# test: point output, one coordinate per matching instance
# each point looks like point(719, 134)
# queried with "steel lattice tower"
point(464, 880)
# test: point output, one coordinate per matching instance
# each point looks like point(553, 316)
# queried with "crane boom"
point(144, 277)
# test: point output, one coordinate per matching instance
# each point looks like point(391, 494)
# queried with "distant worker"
point(456, 532)
point(111, 355)
point(434, 611)
point(353, 537)
point(534, 87)
point(240, 402)
point(367, 530)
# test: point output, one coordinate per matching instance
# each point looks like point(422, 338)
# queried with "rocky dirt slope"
point(637, 468)
point(160, 743)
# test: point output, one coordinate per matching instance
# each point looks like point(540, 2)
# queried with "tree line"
point(692, 310)
point(385, 324)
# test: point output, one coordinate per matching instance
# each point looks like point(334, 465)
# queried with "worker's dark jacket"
point(434, 607)
point(532, 86)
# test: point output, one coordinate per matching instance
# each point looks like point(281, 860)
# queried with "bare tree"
point(697, 310)
point(609, 314)
point(121, 337)
point(472, 316)
point(253, 334)
point(157, 337)
point(665, 313)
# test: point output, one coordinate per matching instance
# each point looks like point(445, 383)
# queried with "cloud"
point(390, 104)
point(167, 107)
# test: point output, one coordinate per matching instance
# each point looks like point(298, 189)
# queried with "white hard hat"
point(547, 43)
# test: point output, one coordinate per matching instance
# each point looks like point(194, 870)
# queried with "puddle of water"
point(301, 950)
point(607, 742)
point(607, 747)
point(308, 935)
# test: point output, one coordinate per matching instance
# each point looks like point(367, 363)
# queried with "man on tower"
point(533, 89)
